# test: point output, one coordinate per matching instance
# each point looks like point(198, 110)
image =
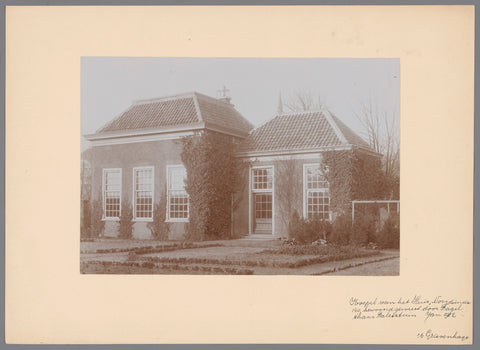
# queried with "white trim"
point(379, 201)
point(126, 139)
point(391, 201)
point(250, 200)
point(286, 152)
point(156, 135)
point(134, 197)
point(111, 218)
point(144, 131)
point(167, 216)
point(334, 126)
point(285, 157)
point(269, 190)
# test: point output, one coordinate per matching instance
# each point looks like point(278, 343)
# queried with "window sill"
point(111, 219)
point(143, 220)
point(176, 220)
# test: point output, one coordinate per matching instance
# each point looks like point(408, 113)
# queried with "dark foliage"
point(308, 230)
point(85, 225)
point(389, 235)
point(97, 225)
point(341, 230)
point(365, 228)
point(158, 227)
point(354, 175)
point(125, 227)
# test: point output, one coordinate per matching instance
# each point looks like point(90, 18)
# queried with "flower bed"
point(269, 258)
point(103, 266)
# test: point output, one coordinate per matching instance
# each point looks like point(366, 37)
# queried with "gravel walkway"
point(384, 268)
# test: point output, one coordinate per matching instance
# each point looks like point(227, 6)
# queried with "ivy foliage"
point(214, 175)
point(158, 227)
point(125, 225)
point(97, 225)
point(353, 175)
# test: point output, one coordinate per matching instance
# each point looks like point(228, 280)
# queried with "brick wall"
point(158, 154)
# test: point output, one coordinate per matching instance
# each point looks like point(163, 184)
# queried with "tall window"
point(143, 193)
point(112, 192)
point(316, 196)
point(262, 178)
point(178, 200)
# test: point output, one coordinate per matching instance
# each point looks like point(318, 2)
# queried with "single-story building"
point(137, 158)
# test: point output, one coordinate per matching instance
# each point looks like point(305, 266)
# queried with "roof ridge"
point(338, 120)
point(328, 115)
point(197, 107)
point(312, 111)
point(291, 114)
point(213, 99)
point(164, 98)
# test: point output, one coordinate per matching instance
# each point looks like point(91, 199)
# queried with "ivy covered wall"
point(214, 175)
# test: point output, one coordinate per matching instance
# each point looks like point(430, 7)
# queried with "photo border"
point(476, 245)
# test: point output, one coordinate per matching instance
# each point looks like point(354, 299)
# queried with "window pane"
point(262, 178)
point(318, 204)
point(178, 199)
point(314, 177)
point(144, 193)
point(112, 180)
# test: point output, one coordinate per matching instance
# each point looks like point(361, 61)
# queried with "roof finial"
point(280, 104)
point(224, 94)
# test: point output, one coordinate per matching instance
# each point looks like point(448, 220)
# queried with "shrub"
point(125, 227)
point(294, 225)
point(158, 227)
point(341, 230)
point(389, 235)
point(364, 228)
point(308, 230)
point(86, 220)
point(97, 225)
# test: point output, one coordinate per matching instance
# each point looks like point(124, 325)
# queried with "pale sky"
point(111, 84)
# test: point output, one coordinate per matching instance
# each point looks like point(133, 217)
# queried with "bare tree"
point(381, 131)
point(302, 100)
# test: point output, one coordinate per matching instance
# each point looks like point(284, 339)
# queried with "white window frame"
point(253, 178)
point(252, 190)
point(134, 195)
point(104, 202)
point(306, 190)
point(168, 218)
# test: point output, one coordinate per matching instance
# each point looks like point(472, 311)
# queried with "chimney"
point(224, 95)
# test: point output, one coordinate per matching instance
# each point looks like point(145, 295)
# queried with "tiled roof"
point(193, 110)
point(300, 132)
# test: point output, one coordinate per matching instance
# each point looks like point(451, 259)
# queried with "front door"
point(263, 213)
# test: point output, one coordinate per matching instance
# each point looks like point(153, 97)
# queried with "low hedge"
point(177, 267)
point(261, 262)
point(152, 249)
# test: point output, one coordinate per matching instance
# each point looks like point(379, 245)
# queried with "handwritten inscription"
point(411, 307)
point(430, 334)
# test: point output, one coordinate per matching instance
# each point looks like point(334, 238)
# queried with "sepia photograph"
point(240, 166)
point(231, 175)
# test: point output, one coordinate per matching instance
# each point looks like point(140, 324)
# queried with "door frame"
point(251, 192)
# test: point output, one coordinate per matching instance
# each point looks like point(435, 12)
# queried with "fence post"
point(353, 211)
